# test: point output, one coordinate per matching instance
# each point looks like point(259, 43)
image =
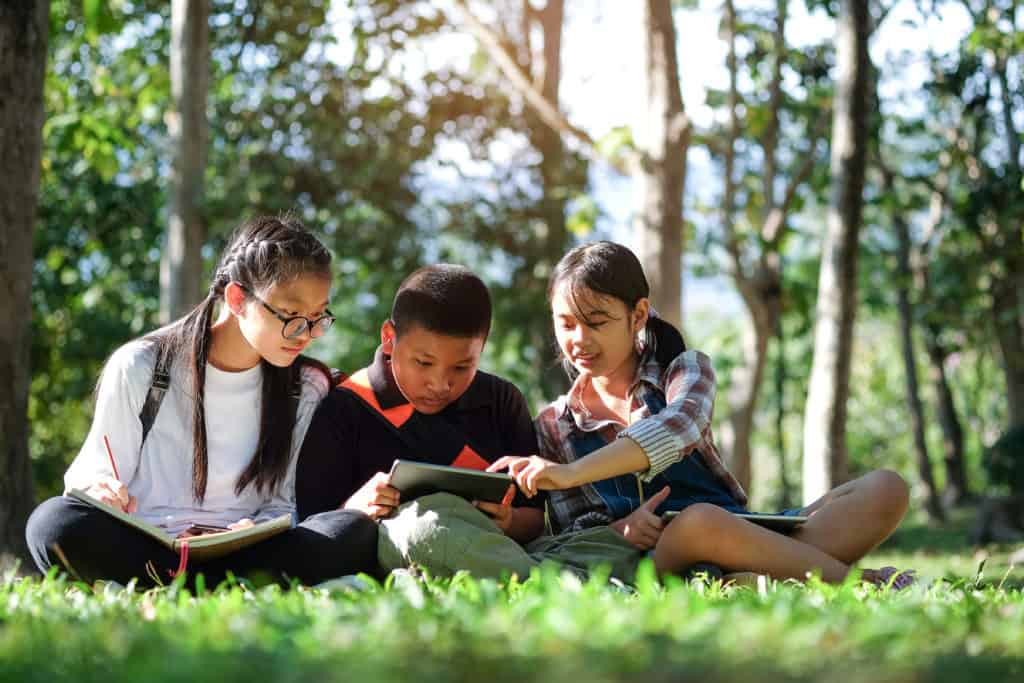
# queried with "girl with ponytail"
point(632, 440)
point(204, 419)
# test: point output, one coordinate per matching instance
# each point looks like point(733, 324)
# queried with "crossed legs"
point(845, 524)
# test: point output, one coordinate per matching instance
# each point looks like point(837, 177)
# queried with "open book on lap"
point(207, 545)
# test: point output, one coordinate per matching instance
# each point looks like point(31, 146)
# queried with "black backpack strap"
point(158, 387)
point(295, 392)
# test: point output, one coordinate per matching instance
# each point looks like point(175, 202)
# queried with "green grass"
point(549, 627)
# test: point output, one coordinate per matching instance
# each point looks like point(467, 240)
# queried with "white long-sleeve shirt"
point(160, 476)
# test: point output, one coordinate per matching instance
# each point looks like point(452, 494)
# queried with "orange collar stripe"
point(359, 384)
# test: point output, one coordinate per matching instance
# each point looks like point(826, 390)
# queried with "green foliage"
point(95, 277)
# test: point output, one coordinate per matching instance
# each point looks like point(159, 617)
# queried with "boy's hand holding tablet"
point(376, 498)
point(501, 512)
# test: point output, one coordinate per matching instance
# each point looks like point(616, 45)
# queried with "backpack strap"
point(161, 382)
point(295, 391)
point(158, 387)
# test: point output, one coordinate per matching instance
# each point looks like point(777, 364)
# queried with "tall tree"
point(664, 142)
point(825, 456)
point(937, 292)
point(659, 161)
point(754, 223)
point(905, 309)
point(546, 70)
point(182, 265)
point(980, 90)
point(24, 29)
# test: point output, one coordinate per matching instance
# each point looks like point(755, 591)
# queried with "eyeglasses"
point(296, 325)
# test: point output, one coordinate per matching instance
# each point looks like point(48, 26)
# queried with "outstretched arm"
point(653, 444)
point(534, 473)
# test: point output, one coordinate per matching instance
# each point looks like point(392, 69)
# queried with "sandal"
point(890, 577)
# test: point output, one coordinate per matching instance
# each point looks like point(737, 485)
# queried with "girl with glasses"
point(204, 418)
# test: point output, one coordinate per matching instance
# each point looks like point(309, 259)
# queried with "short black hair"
point(443, 298)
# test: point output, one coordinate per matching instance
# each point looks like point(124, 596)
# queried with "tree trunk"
point(825, 457)
point(785, 488)
point(181, 267)
point(745, 385)
point(957, 490)
point(933, 503)
point(24, 29)
point(549, 143)
point(665, 141)
point(547, 140)
point(1006, 312)
point(758, 278)
point(1006, 297)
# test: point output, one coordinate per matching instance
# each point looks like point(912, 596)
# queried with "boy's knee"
point(443, 503)
point(438, 532)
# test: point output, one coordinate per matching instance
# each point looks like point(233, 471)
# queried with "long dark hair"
point(613, 270)
point(264, 251)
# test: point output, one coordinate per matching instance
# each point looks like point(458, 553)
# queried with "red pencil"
point(110, 454)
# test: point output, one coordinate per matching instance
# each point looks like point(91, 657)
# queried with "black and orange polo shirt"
point(353, 434)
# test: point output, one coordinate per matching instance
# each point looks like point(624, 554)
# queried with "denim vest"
point(690, 479)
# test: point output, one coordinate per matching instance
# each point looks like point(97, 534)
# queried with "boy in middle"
point(423, 399)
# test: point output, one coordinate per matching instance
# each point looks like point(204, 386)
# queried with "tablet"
point(781, 523)
point(415, 479)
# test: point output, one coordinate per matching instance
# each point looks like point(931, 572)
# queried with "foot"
point(890, 577)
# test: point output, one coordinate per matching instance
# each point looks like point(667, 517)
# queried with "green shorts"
point(444, 534)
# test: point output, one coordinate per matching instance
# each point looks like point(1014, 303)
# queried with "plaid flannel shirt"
point(684, 425)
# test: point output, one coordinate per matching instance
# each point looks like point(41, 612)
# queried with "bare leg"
point(853, 518)
point(707, 533)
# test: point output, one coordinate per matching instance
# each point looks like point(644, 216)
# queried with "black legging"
point(92, 545)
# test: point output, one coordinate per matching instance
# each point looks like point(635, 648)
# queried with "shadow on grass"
point(923, 536)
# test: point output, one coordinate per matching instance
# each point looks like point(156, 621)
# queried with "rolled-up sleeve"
point(667, 437)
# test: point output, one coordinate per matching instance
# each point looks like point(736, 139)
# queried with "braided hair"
point(263, 252)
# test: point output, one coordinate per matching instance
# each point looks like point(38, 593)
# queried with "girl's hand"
point(642, 527)
point(377, 498)
point(114, 493)
point(243, 523)
point(501, 512)
point(534, 473)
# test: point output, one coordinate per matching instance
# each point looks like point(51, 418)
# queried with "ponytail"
point(198, 335)
point(665, 339)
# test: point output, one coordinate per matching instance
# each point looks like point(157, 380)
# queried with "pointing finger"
point(657, 499)
point(500, 464)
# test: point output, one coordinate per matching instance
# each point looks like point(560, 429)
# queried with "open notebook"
point(200, 548)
